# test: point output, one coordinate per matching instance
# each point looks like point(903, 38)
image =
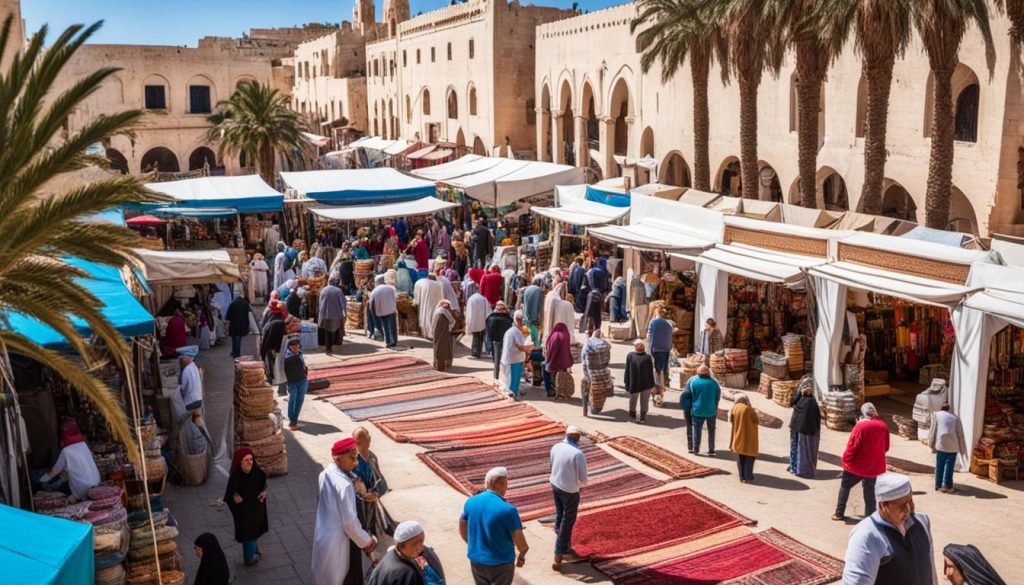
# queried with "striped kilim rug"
point(361, 383)
point(499, 422)
point(765, 558)
point(385, 363)
point(651, 522)
point(452, 392)
point(665, 461)
point(528, 464)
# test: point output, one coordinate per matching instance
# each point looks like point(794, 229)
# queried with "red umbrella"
point(145, 220)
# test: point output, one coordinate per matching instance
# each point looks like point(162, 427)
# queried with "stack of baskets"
point(110, 533)
point(689, 366)
point(257, 425)
point(840, 410)
point(906, 427)
point(853, 378)
point(716, 362)
point(737, 365)
point(782, 391)
point(153, 543)
point(764, 387)
point(775, 365)
point(363, 272)
point(353, 315)
point(793, 347)
point(156, 466)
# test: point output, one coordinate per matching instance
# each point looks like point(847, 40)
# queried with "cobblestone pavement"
point(982, 513)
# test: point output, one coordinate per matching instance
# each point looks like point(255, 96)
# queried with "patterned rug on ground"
point(362, 383)
point(471, 427)
point(651, 522)
point(529, 472)
point(765, 558)
point(452, 392)
point(665, 461)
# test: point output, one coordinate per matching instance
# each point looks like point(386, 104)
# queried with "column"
point(606, 138)
point(582, 154)
point(557, 146)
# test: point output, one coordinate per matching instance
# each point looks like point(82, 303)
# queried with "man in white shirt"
point(894, 544)
point(76, 459)
point(946, 438)
point(514, 349)
point(383, 306)
point(568, 475)
point(190, 385)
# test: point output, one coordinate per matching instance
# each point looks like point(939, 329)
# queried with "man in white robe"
point(477, 310)
point(280, 271)
point(427, 293)
point(558, 310)
point(337, 535)
point(449, 294)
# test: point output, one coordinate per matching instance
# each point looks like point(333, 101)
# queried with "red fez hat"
point(343, 446)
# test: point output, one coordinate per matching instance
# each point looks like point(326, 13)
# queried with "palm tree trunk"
point(879, 81)
point(749, 82)
point(700, 65)
point(810, 71)
point(940, 162)
point(267, 170)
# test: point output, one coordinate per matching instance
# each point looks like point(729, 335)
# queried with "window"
point(433, 55)
point(966, 129)
point(453, 105)
point(426, 102)
point(449, 51)
point(199, 99)
point(156, 97)
point(408, 110)
point(531, 112)
point(417, 56)
point(471, 47)
point(472, 101)
point(405, 58)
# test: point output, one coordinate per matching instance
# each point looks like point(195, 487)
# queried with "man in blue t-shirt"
point(493, 531)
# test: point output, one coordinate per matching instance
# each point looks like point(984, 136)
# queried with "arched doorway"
point(589, 113)
point(897, 202)
point(962, 217)
point(117, 161)
point(478, 147)
point(832, 194)
point(568, 143)
point(728, 180)
point(620, 108)
point(160, 159)
point(675, 171)
point(768, 186)
point(646, 149)
point(545, 153)
point(460, 143)
point(966, 96)
point(201, 157)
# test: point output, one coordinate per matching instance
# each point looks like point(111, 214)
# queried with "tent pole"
point(556, 246)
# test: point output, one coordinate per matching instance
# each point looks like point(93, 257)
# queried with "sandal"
point(838, 518)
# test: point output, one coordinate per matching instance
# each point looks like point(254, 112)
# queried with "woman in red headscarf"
point(246, 497)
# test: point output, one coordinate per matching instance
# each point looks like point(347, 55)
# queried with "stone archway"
point(897, 202)
point(962, 217)
point(728, 180)
point(675, 171)
point(567, 145)
point(831, 190)
point(545, 152)
point(768, 187)
point(646, 149)
point(620, 112)
point(202, 157)
point(160, 159)
point(478, 147)
point(117, 161)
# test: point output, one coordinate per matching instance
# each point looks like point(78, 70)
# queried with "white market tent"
point(358, 186)
point(573, 207)
point(183, 267)
point(245, 193)
point(698, 198)
point(501, 181)
point(424, 206)
point(659, 224)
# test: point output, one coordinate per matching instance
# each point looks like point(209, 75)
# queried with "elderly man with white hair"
point(893, 544)
point(399, 566)
point(568, 475)
point(863, 459)
point(493, 531)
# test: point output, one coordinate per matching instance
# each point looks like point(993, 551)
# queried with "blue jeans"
point(515, 376)
point(566, 506)
point(250, 549)
point(698, 426)
point(236, 345)
point(296, 395)
point(618, 309)
point(944, 463)
point(389, 323)
point(372, 324)
point(794, 443)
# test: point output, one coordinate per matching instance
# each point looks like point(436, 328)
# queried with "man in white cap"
point(894, 544)
point(399, 566)
point(190, 386)
point(493, 531)
point(568, 475)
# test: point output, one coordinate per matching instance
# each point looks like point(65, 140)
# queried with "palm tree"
point(882, 30)
point(40, 232)
point(942, 25)
point(1015, 10)
point(256, 122)
point(671, 35)
point(749, 27)
point(813, 53)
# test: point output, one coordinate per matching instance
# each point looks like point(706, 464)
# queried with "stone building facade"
point(461, 74)
point(595, 104)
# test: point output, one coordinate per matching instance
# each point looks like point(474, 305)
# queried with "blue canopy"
point(114, 216)
point(43, 550)
point(208, 213)
point(359, 186)
point(612, 198)
point(120, 308)
point(246, 193)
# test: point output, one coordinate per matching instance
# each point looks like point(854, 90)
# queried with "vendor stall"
point(43, 550)
point(501, 181)
point(573, 207)
point(358, 186)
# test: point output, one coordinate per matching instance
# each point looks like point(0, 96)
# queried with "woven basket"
point(275, 465)
point(363, 265)
point(156, 467)
point(193, 468)
point(782, 391)
point(267, 447)
point(775, 365)
point(254, 429)
point(249, 377)
point(764, 387)
point(905, 427)
point(112, 575)
point(148, 432)
point(717, 364)
point(144, 538)
point(148, 552)
point(736, 360)
point(576, 350)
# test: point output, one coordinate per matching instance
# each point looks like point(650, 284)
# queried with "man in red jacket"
point(863, 460)
point(491, 285)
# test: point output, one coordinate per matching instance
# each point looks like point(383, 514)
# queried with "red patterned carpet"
point(451, 392)
point(766, 558)
point(529, 472)
point(651, 522)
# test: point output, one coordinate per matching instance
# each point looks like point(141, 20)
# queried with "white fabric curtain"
point(712, 300)
point(969, 378)
point(828, 338)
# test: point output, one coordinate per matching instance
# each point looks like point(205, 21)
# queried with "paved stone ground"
point(982, 513)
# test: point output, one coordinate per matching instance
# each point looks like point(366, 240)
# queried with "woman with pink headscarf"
point(558, 363)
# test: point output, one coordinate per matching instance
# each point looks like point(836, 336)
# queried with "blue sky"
point(182, 22)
